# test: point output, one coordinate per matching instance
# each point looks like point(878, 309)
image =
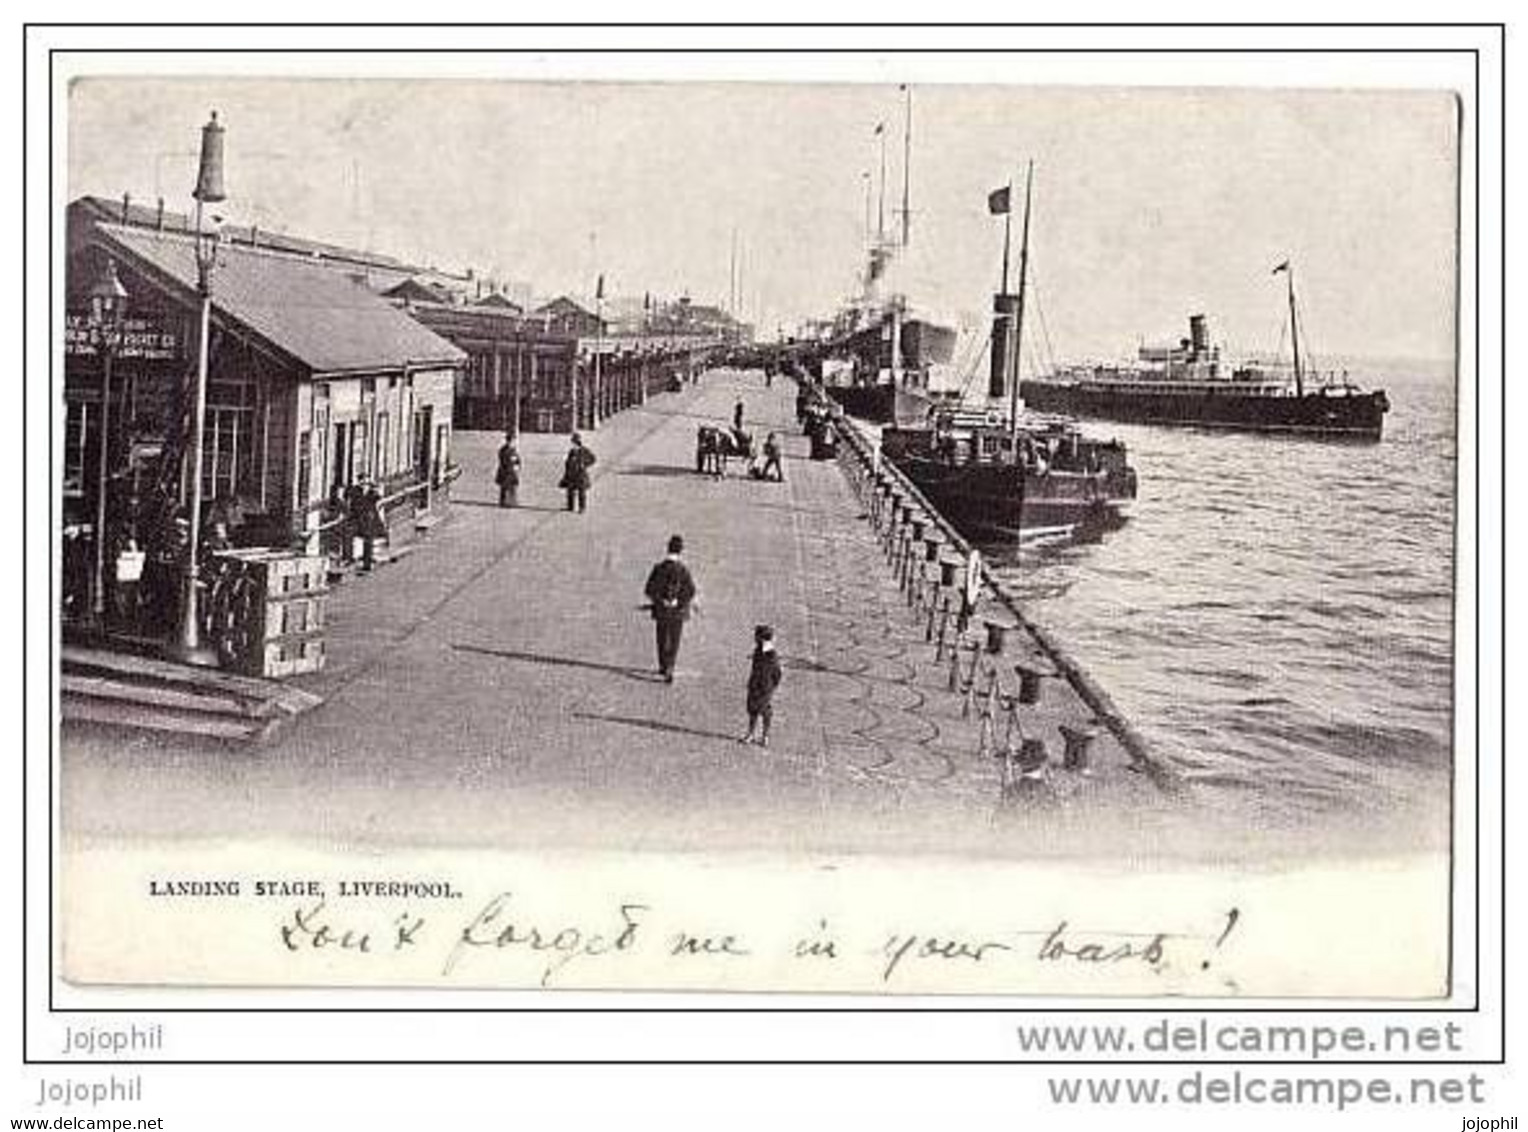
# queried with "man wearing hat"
point(671, 590)
point(575, 474)
point(508, 475)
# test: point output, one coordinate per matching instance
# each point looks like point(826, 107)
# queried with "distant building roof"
point(562, 304)
point(500, 300)
point(317, 316)
point(416, 290)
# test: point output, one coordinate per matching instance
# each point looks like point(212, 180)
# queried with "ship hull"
point(1357, 416)
point(882, 404)
point(924, 344)
point(988, 502)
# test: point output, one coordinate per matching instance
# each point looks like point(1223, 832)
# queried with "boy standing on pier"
point(671, 590)
point(763, 678)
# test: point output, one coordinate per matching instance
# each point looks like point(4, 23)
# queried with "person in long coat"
point(369, 523)
point(508, 475)
point(671, 591)
point(575, 474)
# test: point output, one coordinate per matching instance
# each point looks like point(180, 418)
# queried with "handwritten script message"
point(502, 938)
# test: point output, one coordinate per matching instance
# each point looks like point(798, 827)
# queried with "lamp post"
point(598, 400)
point(107, 298)
point(209, 189)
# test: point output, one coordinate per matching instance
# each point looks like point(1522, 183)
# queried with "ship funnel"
point(1005, 311)
point(1199, 334)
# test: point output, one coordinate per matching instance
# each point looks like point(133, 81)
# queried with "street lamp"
point(107, 299)
point(209, 189)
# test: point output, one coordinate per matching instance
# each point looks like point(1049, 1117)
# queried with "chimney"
point(127, 200)
point(159, 217)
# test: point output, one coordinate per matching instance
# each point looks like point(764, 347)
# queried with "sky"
point(1149, 204)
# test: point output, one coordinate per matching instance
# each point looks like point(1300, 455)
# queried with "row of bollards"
point(942, 593)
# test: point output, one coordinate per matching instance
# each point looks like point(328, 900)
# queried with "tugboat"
point(1004, 475)
point(993, 481)
point(1189, 384)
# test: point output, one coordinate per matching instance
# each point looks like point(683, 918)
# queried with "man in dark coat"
point(575, 474)
point(737, 416)
point(671, 591)
point(508, 475)
point(763, 678)
point(369, 523)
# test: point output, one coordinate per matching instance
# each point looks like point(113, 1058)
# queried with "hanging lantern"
point(209, 177)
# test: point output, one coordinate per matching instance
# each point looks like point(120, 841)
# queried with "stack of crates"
point(271, 619)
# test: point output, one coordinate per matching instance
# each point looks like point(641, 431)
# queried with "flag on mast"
point(880, 128)
point(1281, 267)
point(998, 200)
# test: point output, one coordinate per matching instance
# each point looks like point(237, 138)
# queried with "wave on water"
point(1276, 615)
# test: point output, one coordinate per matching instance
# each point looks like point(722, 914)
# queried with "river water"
point(1276, 615)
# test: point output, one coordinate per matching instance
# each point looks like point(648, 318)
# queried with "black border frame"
point(27, 252)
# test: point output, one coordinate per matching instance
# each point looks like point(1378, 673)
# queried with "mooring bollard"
point(1029, 683)
point(954, 665)
point(1032, 758)
point(1078, 753)
point(997, 634)
point(970, 701)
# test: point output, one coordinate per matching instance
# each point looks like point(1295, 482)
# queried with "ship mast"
point(1294, 330)
point(907, 164)
point(1018, 322)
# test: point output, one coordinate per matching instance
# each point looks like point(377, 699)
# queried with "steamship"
point(880, 351)
point(1190, 384)
point(998, 474)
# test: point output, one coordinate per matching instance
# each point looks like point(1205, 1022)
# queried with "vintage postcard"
point(893, 536)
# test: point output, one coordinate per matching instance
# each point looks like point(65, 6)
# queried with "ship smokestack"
point(1005, 310)
point(1199, 334)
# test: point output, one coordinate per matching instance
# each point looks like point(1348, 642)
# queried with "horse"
point(714, 445)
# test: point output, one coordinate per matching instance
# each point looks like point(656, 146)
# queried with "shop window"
point(360, 452)
point(304, 467)
point(78, 423)
point(442, 453)
point(227, 455)
point(384, 444)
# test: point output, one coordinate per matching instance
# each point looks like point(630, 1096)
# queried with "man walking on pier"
point(671, 590)
point(575, 474)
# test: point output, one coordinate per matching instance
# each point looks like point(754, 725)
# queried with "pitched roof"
point(500, 300)
point(419, 291)
point(324, 320)
point(563, 304)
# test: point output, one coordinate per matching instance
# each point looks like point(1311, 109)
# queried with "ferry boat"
point(1191, 384)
